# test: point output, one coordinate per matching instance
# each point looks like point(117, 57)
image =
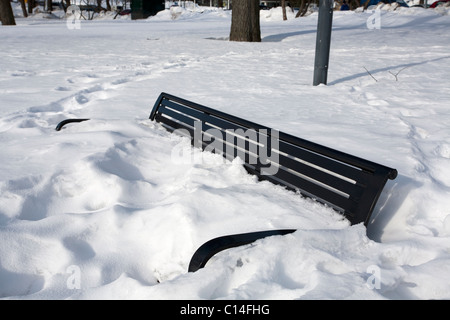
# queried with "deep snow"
point(100, 210)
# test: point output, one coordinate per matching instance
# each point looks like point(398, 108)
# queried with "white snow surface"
point(100, 210)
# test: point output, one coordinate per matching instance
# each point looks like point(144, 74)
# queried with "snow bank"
point(276, 14)
point(100, 210)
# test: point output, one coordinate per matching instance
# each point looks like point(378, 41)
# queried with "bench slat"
point(172, 125)
point(209, 111)
point(214, 122)
point(312, 190)
point(352, 189)
point(178, 116)
point(189, 111)
point(350, 172)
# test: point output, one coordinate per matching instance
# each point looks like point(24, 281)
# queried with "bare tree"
point(283, 7)
point(6, 13)
point(245, 24)
point(30, 6)
point(65, 4)
point(48, 5)
point(24, 8)
point(354, 4)
point(366, 4)
point(303, 8)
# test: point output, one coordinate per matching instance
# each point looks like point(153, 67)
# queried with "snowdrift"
point(100, 210)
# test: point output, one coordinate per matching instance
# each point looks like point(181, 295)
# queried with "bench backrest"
point(347, 183)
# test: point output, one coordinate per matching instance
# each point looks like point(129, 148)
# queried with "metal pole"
point(323, 41)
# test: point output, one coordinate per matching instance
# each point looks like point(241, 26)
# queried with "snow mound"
point(108, 209)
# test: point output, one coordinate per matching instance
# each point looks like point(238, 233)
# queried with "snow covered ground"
point(100, 210)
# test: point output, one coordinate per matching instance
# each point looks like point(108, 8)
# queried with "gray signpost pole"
point(323, 41)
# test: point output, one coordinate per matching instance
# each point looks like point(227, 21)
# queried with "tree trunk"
point(300, 9)
point(245, 21)
point(30, 6)
point(24, 8)
point(283, 7)
point(6, 13)
point(303, 8)
point(48, 6)
point(353, 4)
point(65, 4)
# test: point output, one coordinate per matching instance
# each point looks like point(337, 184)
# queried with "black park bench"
point(349, 184)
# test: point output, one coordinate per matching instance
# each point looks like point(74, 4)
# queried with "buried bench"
point(348, 184)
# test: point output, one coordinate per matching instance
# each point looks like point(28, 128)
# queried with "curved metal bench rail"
point(214, 246)
point(60, 125)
